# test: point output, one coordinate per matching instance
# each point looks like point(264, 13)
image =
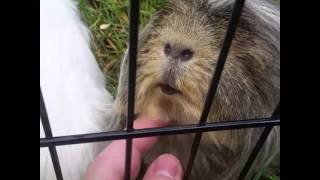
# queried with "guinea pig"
point(73, 88)
point(177, 55)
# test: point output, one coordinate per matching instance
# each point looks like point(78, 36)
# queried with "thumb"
point(165, 167)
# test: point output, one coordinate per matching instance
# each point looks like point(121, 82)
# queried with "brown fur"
point(249, 86)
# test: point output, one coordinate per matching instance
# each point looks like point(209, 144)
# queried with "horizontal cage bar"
point(139, 133)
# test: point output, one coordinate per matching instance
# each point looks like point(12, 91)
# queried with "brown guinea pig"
point(177, 55)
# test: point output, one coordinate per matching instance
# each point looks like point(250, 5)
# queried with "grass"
point(108, 22)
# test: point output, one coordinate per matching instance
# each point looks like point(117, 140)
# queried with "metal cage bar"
point(235, 17)
point(139, 133)
point(48, 133)
point(133, 43)
point(263, 137)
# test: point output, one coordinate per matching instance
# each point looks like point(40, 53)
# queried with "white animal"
point(73, 87)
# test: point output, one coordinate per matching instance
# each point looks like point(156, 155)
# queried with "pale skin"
point(110, 163)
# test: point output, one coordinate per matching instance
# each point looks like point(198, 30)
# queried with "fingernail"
point(166, 167)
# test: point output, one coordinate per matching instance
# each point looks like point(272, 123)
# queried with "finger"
point(165, 167)
point(144, 144)
point(110, 163)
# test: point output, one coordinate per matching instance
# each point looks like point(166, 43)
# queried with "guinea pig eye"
point(167, 49)
point(186, 54)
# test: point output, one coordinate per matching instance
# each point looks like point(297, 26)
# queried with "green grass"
point(109, 43)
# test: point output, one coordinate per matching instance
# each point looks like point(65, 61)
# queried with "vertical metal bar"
point(133, 44)
point(48, 133)
point(215, 79)
point(263, 137)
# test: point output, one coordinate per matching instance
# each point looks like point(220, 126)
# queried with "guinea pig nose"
point(167, 49)
point(174, 52)
point(186, 54)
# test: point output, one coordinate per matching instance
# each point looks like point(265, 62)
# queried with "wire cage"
point(130, 133)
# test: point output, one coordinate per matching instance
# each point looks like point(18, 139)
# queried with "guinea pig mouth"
point(168, 90)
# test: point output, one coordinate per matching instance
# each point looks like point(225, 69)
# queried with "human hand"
point(110, 163)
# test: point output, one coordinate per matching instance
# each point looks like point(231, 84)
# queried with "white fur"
point(73, 87)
